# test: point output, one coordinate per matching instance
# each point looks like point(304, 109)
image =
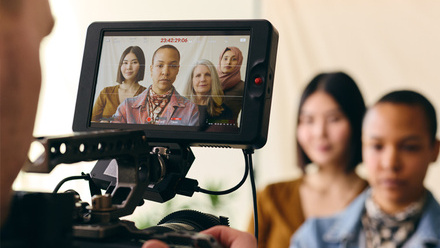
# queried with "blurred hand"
point(154, 244)
point(232, 238)
point(226, 236)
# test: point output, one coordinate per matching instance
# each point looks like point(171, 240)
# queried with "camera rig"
point(146, 161)
point(130, 169)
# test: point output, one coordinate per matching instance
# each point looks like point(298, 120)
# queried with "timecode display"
point(174, 40)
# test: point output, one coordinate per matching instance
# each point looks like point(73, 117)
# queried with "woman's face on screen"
point(130, 67)
point(228, 62)
point(202, 80)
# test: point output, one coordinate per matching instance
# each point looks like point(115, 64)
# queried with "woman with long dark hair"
point(328, 137)
point(131, 70)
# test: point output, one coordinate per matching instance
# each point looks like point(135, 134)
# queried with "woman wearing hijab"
point(229, 72)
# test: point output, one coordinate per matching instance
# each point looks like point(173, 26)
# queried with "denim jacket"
point(345, 229)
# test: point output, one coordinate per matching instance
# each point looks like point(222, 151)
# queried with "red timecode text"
point(173, 40)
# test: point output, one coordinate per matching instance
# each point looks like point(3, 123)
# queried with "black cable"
point(224, 192)
point(83, 176)
point(254, 190)
point(248, 170)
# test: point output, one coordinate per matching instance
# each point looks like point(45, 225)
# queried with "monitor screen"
point(200, 77)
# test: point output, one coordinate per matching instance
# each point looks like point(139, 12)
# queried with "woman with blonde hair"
point(204, 89)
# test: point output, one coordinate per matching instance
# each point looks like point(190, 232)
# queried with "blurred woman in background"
point(329, 141)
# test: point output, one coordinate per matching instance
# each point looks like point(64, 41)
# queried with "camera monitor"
point(198, 83)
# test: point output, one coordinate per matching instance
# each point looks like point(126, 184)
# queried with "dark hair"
point(163, 47)
point(140, 57)
point(346, 93)
point(414, 99)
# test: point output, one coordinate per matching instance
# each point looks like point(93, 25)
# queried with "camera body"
point(140, 173)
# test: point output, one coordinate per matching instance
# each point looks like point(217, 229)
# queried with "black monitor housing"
point(257, 40)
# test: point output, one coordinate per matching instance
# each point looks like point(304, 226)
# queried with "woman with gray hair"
point(204, 89)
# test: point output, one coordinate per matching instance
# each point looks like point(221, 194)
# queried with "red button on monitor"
point(258, 81)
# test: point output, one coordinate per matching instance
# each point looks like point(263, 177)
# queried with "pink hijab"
point(231, 79)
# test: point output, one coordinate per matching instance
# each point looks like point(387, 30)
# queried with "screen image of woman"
point(130, 71)
point(228, 69)
point(204, 89)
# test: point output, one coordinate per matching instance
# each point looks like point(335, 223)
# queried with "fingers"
point(232, 238)
point(154, 244)
point(226, 236)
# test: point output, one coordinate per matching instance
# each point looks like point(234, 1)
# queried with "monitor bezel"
point(256, 99)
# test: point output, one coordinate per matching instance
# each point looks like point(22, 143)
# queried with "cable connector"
point(187, 187)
